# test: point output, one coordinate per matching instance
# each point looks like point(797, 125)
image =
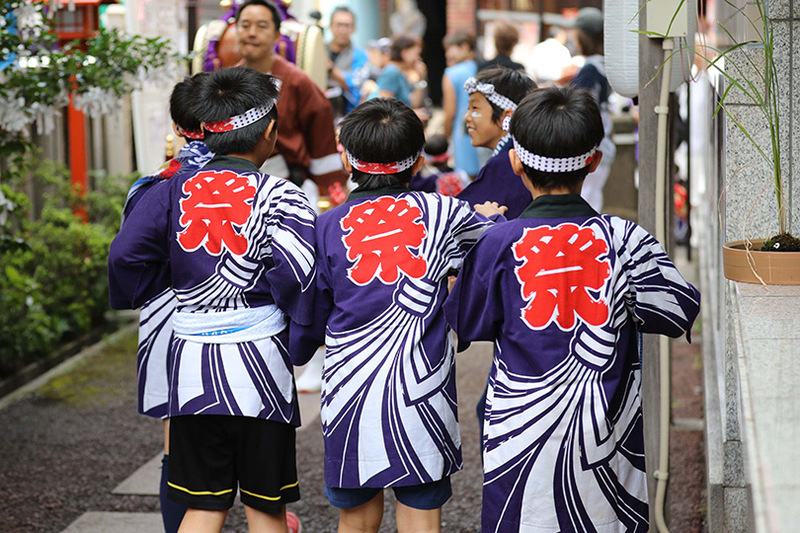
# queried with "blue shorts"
point(424, 497)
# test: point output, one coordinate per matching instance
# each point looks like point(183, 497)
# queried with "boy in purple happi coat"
point(563, 292)
point(493, 96)
point(237, 248)
point(155, 315)
point(389, 413)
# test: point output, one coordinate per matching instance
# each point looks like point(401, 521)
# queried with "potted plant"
point(758, 260)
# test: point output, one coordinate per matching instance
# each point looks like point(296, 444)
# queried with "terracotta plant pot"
point(774, 268)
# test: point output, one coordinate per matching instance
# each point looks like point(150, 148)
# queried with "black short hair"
point(436, 144)
point(180, 102)
point(343, 9)
point(382, 130)
point(459, 38)
point(229, 92)
point(513, 84)
point(276, 15)
point(557, 122)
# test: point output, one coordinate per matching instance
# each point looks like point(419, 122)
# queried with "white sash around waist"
point(239, 325)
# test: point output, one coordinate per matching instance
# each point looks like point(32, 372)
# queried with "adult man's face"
point(257, 33)
point(342, 28)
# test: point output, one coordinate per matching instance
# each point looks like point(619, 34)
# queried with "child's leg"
point(202, 521)
point(202, 470)
point(171, 512)
point(267, 471)
point(366, 518)
point(419, 507)
point(410, 520)
point(261, 522)
point(166, 436)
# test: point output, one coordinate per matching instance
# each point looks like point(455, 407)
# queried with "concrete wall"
point(740, 203)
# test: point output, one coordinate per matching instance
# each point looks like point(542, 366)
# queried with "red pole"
point(77, 154)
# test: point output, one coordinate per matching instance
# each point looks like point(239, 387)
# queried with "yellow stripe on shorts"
point(199, 493)
point(270, 498)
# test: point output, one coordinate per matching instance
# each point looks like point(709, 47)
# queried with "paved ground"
point(68, 442)
point(72, 439)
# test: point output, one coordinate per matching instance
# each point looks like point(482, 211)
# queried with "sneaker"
point(293, 523)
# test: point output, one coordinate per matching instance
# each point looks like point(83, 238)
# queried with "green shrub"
point(27, 332)
point(54, 285)
point(70, 259)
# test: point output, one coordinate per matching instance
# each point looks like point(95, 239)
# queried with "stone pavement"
point(77, 458)
point(144, 482)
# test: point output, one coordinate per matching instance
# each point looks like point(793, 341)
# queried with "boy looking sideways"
point(493, 97)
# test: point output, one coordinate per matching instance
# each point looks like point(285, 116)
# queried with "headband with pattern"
point(190, 134)
point(382, 168)
point(487, 89)
point(553, 164)
point(239, 121)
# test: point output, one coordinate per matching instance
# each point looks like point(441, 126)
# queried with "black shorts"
point(210, 455)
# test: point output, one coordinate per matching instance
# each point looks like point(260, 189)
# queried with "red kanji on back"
point(215, 202)
point(382, 233)
point(559, 266)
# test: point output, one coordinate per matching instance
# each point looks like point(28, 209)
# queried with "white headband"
point(487, 90)
point(239, 121)
point(553, 164)
point(382, 168)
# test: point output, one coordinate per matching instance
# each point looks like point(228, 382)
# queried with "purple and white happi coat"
point(237, 248)
point(389, 413)
point(155, 316)
point(564, 293)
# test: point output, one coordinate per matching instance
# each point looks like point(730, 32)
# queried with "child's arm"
point(473, 308)
point(662, 301)
point(138, 261)
point(291, 220)
point(305, 338)
point(468, 224)
point(488, 209)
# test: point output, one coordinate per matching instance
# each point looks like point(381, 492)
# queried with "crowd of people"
point(477, 232)
point(571, 55)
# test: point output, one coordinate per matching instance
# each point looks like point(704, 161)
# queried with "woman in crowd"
point(404, 77)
